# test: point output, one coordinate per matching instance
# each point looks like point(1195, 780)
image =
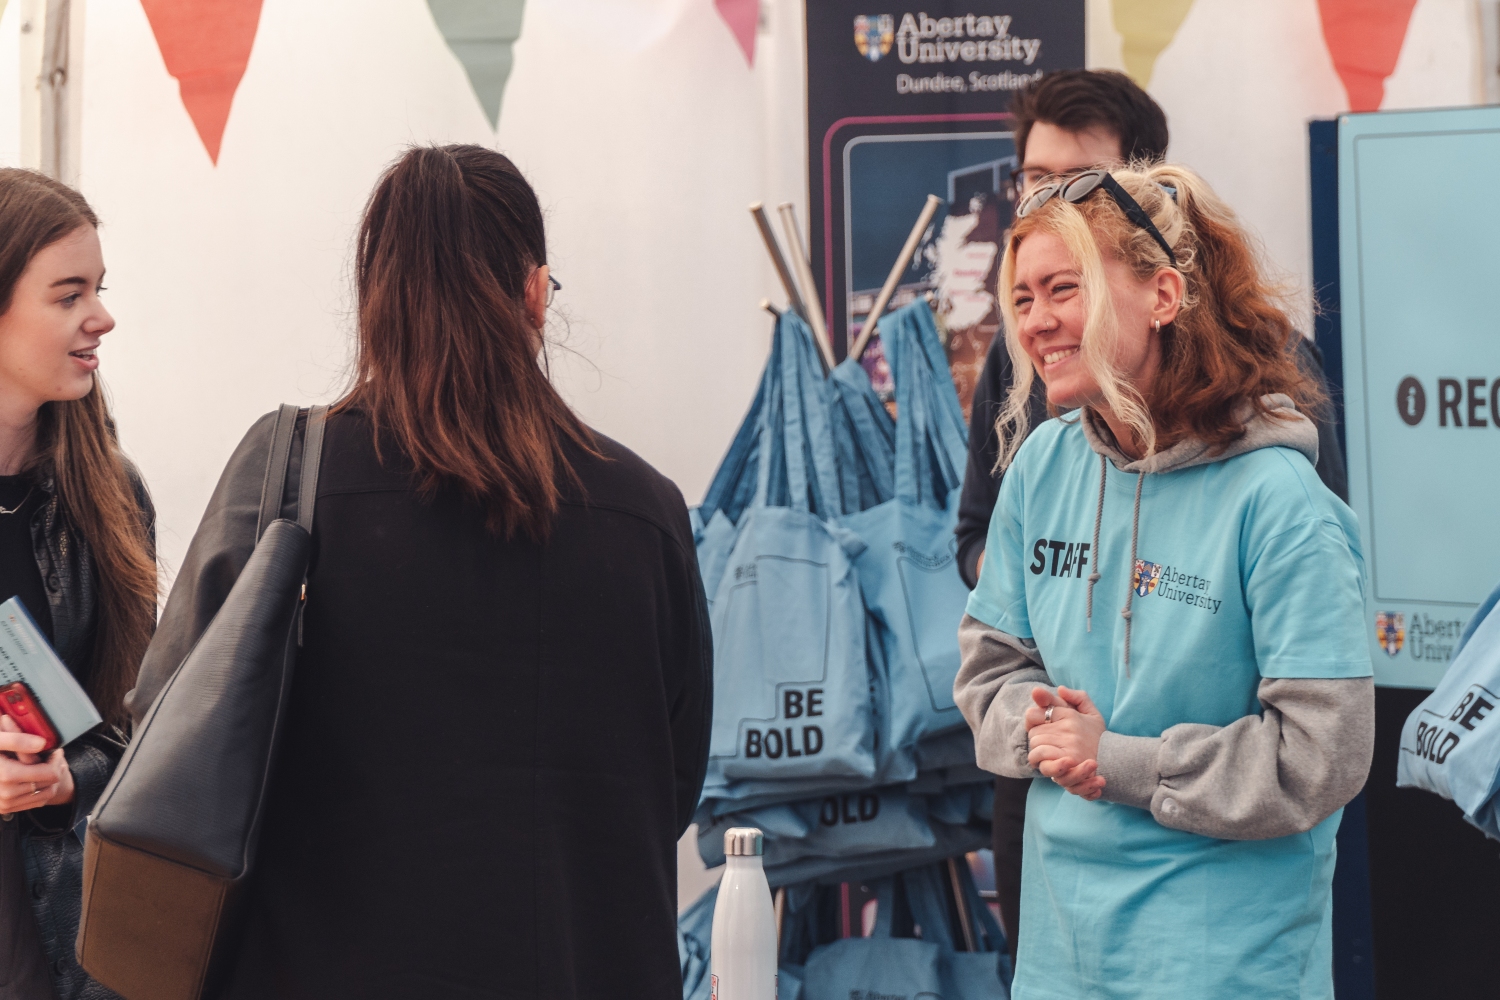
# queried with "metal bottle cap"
point(744, 841)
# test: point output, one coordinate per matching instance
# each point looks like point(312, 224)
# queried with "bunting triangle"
point(482, 33)
point(1364, 38)
point(743, 18)
point(2, 8)
point(1147, 27)
point(206, 46)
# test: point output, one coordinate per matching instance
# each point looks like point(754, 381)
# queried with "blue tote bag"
point(793, 693)
point(908, 568)
point(929, 967)
point(1451, 744)
point(864, 439)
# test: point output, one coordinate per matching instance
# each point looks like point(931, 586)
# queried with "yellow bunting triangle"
point(1146, 27)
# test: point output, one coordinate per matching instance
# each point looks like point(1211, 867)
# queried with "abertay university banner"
point(903, 104)
point(1421, 377)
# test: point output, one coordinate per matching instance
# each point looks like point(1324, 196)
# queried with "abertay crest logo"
point(1390, 631)
point(1147, 574)
point(873, 35)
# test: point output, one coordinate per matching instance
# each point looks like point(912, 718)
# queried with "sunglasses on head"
point(1076, 187)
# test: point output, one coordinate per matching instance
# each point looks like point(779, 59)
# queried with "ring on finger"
point(35, 790)
point(1047, 715)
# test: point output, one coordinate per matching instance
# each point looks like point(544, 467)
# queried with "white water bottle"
point(742, 954)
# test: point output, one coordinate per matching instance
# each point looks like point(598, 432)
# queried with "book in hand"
point(36, 689)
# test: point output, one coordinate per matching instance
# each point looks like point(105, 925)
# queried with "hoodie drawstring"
point(1094, 576)
point(1135, 530)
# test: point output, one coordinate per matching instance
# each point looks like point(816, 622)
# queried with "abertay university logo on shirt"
point(1173, 584)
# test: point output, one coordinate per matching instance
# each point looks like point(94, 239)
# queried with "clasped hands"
point(28, 781)
point(1066, 748)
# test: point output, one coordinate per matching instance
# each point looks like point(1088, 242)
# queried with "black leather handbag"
point(171, 844)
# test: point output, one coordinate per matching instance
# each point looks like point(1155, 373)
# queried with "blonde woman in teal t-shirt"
point(1168, 630)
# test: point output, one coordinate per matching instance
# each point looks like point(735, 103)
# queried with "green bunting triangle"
point(481, 34)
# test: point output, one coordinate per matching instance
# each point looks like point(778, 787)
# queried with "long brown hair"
point(447, 360)
point(76, 446)
point(1231, 343)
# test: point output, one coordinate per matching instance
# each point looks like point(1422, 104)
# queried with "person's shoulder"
point(1282, 489)
point(1057, 437)
point(613, 477)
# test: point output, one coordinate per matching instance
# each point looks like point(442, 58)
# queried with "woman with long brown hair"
point(76, 547)
point(499, 722)
point(1168, 631)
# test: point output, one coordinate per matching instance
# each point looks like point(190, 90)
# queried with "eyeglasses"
point(1077, 187)
point(553, 287)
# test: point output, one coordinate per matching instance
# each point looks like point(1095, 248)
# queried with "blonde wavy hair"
point(1230, 343)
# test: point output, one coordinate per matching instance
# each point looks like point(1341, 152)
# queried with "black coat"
point(49, 839)
point(493, 745)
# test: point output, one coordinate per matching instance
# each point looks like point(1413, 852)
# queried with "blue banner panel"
point(1419, 250)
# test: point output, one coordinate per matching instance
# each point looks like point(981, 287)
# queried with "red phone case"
point(17, 701)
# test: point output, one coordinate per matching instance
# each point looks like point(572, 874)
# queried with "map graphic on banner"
point(206, 47)
point(482, 34)
point(903, 104)
point(1421, 378)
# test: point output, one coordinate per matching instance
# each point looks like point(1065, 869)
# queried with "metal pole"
point(884, 298)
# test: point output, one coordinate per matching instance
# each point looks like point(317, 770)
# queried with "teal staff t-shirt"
point(1246, 568)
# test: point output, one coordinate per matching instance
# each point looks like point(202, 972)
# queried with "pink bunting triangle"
point(1364, 37)
point(743, 18)
point(206, 45)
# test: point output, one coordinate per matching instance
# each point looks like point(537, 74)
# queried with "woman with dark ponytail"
point(499, 722)
point(76, 547)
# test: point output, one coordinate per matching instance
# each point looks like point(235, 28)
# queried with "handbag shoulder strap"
point(273, 489)
point(312, 458)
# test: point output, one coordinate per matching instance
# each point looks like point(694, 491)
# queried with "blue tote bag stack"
point(820, 476)
point(908, 566)
point(826, 544)
point(858, 836)
point(794, 698)
point(1451, 744)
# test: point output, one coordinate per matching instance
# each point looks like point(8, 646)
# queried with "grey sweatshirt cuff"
point(1130, 768)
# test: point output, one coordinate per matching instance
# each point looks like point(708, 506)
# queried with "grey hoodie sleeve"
point(1262, 776)
point(993, 690)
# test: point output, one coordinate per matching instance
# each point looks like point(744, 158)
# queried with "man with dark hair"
point(1069, 120)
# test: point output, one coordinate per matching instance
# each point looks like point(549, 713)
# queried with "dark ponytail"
point(448, 357)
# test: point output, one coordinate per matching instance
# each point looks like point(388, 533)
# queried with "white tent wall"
point(645, 134)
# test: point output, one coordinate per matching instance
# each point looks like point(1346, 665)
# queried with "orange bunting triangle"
point(1364, 38)
point(206, 46)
